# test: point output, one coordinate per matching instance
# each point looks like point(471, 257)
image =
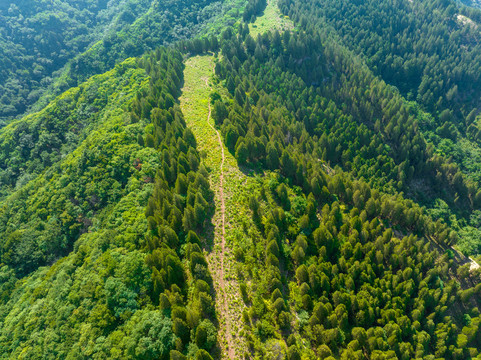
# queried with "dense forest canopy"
point(313, 263)
point(436, 65)
point(39, 37)
point(47, 47)
point(301, 181)
point(430, 51)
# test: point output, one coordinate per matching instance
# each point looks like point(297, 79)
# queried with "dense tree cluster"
point(199, 45)
point(180, 206)
point(129, 202)
point(321, 104)
point(429, 50)
point(426, 48)
point(328, 273)
point(59, 176)
point(30, 145)
point(37, 39)
point(294, 137)
point(345, 285)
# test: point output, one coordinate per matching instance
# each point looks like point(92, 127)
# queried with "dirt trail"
point(221, 275)
point(225, 180)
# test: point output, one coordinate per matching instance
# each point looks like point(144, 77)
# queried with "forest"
point(242, 180)
point(47, 48)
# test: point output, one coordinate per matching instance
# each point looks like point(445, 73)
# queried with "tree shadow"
point(208, 235)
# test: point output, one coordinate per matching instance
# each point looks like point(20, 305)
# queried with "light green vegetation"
point(30, 145)
point(195, 107)
point(63, 190)
point(228, 17)
point(271, 20)
point(65, 310)
point(237, 188)
point(466, 153)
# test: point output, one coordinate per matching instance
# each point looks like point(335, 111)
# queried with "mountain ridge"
point(262, 191)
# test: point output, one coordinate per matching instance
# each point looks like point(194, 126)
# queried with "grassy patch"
point(195, 107)
point(271, 20)
point(194, 102)
point(231, 15)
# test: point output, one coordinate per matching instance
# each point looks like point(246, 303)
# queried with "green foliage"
point(151, 336)
point(105, 203)
point(177, 212)
point(328, 265)
point(72, 42)
point(206, 335)
point(418, 70)
point(100, 203)
point(219, 112)
point(201, 354)
point(42, 219)
point(424, 73)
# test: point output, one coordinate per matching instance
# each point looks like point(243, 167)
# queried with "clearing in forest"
point(231, 188)
point(271, 20)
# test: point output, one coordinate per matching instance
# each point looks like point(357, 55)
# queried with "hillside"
point(297, 182)
point(473, 3)
point(47, 47)
point(434, 69)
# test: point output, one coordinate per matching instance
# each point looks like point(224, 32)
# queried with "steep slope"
point(38, 38)
point(48, 47)
point(420, 46)
point(429, 50)
point(57, 215)
point(67, 163)
point(263, 199)
point(127, 290)
point(338, 261)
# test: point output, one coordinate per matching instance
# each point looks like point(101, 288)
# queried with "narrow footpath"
point(221, 275)
point(195, 105)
